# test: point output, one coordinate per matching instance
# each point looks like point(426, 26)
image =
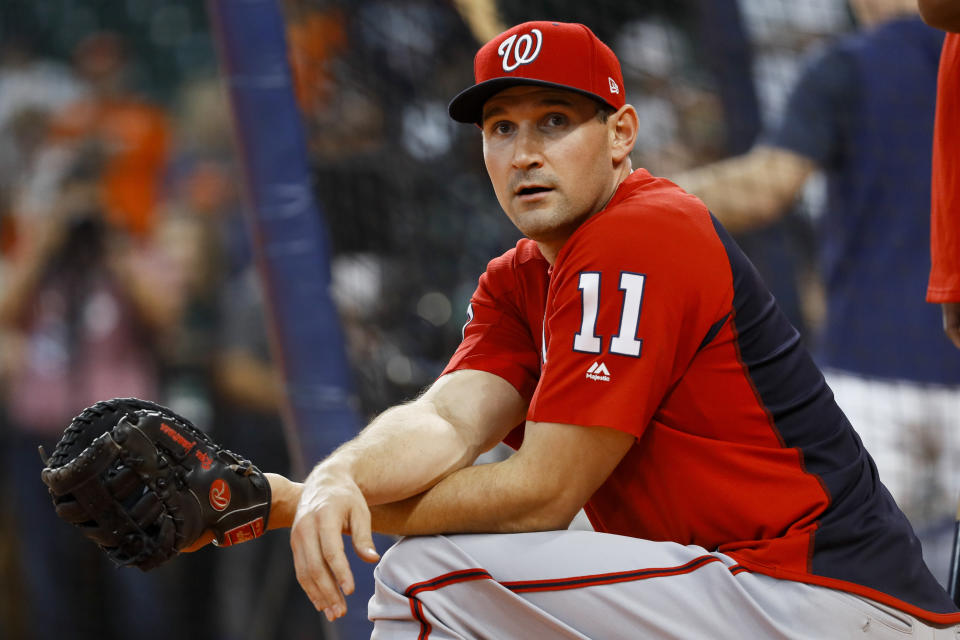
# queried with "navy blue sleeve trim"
point(714, 330)
point(862, 537)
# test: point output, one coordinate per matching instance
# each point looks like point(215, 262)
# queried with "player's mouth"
point(531, 192)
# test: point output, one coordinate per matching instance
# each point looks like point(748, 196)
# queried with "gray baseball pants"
point(583, 584)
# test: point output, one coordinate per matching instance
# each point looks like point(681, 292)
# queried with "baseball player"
point(632, 356)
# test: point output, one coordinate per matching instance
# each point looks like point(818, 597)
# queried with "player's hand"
point(951, 321)
point(331, 505)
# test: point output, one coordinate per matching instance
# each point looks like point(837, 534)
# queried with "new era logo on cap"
point(552, 54)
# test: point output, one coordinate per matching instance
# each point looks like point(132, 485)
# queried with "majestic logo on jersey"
point(598, 371)
point(524, 52)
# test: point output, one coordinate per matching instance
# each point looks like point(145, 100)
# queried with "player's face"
point(549, 159)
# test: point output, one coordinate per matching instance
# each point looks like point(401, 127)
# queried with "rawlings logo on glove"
point(219, 495)
point(143, 483)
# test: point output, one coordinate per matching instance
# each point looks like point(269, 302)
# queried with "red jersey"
point(944, 285)
point(653, 322)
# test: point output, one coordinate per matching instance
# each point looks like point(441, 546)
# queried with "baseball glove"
point(143, 483)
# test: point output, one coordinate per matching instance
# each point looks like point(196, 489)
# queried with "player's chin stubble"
point(548, 224)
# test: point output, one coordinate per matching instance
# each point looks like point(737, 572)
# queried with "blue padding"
point(291, 246)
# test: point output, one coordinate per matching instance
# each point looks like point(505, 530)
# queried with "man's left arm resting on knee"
point(411, 468)
point(402, 453)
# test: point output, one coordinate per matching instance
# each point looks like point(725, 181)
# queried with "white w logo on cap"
point(524, 53)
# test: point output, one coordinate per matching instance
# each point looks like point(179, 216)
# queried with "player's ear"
point(622, 126)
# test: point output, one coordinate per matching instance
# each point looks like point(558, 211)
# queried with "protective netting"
point(411, 214)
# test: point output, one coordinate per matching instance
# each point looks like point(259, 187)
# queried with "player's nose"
point(527, 149)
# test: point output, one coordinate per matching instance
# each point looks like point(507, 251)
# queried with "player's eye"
point(502, 127)
point(555, 120)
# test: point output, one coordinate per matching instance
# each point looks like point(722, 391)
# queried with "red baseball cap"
point(549, 54)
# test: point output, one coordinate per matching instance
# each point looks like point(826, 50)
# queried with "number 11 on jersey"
point(625, 343)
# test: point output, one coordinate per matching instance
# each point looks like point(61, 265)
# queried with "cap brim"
point(467, 106)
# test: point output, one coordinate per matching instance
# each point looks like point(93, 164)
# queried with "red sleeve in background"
point(944, 284)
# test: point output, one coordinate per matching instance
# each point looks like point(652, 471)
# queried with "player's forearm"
point(489, 498)
point(409, 448)
point(403, 452)
point(733, 195)
point(483, 498)
point(748, 191)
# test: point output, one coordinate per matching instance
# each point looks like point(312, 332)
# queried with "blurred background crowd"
point(126, 265)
